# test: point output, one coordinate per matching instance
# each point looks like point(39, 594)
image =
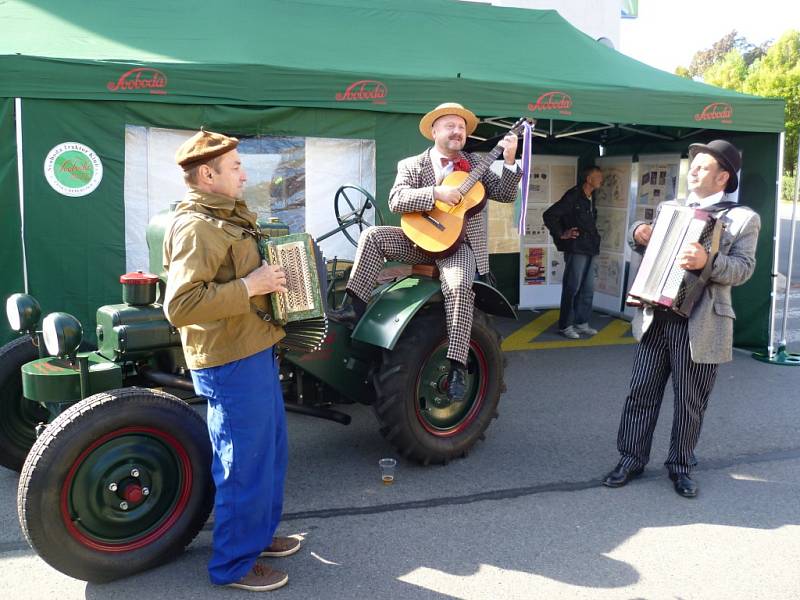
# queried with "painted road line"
point(615, 333)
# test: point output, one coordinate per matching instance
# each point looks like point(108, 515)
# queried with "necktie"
point(446, 161)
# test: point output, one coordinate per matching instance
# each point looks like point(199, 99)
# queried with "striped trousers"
point(664, 351)
point(457, 272)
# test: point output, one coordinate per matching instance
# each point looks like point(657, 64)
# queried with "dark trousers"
point(577, 290)
point(664, 351)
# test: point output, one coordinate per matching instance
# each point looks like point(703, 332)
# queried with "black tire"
point(18, 416)
point(411, 378)
point(67, 508)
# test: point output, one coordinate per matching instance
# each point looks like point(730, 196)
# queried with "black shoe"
point(684, 485)
point(457, 383)
point(347, 315)
point(621, 475)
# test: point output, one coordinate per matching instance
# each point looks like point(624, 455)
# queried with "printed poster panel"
point(555, 268)
point(535, 265)
point(539, 187)
point(658, 179)
point(612, 224)
point(503, 235)
point(291, 178)
point(562, 177)
point(609, 269)
point(535, 231)
point(616, 183)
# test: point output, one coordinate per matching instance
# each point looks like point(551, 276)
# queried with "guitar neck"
point(478, 172)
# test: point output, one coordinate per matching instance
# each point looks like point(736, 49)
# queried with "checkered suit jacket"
point(413, 192)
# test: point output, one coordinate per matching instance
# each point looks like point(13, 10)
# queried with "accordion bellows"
point(301, 309)
point(661, 281)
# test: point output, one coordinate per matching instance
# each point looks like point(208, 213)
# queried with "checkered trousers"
point(456, 272)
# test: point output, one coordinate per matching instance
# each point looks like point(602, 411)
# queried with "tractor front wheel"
point(18, 416)
point(118, 483)
point(412, 407)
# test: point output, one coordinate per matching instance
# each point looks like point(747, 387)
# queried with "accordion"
point(301, 309)
point(661, 282)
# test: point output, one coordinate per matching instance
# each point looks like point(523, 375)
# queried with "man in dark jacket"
point(572, 221)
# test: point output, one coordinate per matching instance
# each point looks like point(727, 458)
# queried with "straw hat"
point(448, 108)
point(202, 147)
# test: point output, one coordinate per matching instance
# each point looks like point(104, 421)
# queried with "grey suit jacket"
point(413, 192)
point(711, 320)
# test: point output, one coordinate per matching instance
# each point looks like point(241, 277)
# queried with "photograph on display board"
point(608, 268)
point(659, 182)
point(616, 185)
point(535, 265)
point(539, 186)
point(535, 230)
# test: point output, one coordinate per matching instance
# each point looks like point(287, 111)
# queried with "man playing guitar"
point(417, 186)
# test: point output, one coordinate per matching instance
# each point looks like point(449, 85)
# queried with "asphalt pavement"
point(524, 515)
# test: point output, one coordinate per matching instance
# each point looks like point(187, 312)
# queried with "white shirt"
point(704, 202)
point(442, 172)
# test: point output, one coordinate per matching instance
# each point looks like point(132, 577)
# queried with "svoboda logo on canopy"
point(73, 169)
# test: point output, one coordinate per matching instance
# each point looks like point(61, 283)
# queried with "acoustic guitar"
point(440, 230)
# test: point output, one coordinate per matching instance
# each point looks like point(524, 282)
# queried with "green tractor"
point(115, 461)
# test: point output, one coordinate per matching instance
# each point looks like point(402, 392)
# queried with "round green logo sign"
point(73, 169)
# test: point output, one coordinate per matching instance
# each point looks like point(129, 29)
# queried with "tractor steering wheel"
point(350, 214)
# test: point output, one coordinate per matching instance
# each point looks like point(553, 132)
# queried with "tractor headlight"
point(23, 312)
point(62, 334)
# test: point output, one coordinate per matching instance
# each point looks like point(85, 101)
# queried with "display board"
point(613, 200)
point(541, 265)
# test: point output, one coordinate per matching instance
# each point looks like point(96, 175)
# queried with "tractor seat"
point(425, 271)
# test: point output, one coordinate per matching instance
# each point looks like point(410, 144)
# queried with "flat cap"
point(202, 147)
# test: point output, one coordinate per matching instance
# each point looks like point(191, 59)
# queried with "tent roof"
point(394, 57)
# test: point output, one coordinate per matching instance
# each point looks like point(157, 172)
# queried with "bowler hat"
point(202, 147)
point(726, 155)
point(448, 108)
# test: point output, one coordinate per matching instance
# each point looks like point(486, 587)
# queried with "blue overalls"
point(247, 427)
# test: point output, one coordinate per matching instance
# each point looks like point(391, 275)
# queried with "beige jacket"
point(207, 250)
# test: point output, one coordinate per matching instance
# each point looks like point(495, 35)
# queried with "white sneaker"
point(584, 328)
point(570, 333)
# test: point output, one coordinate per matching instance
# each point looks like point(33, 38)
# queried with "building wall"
point(596, 18)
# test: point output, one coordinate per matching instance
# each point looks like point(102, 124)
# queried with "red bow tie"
point(459, 164)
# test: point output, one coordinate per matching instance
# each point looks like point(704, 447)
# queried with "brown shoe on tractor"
point(281, 546)
point(261, 578)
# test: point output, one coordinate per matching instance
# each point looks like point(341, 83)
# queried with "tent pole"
point(782, 343)
point(780, 356)
point(21, 187)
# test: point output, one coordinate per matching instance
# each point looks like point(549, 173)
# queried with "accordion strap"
point(716, 235)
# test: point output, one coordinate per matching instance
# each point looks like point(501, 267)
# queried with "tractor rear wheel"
point(118, 483)
point(18, 416)
point(411, 401)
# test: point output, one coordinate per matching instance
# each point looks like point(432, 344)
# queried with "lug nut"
point(123, 505)
point(145, 491)
point(134, 472)
point(112, 487)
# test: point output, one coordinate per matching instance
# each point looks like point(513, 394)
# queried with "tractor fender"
point(396, 304)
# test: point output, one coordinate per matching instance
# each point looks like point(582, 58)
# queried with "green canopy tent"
point(327, 68)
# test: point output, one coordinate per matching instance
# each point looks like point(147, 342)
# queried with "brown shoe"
point(281, 546)
point(261, 578)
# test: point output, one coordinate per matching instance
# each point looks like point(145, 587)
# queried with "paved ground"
point(524, 515)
